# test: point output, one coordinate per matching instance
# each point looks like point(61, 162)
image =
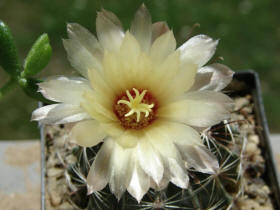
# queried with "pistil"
point(135, 104)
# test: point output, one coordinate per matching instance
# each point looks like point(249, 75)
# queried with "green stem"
point(11, 84)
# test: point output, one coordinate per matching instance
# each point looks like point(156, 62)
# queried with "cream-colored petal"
point(129, 68)
point(197, 110)
point(194, 113)
point(181, 83)
point(141, 28)
point(182, 134)
point(120, 69)
point(201, 80)
point(187, 76)
point(163, 46)
point(59, 114)
point(110, 34)
point(114, 129)
point(79, 56)
point(112, 65)
point(158, 29)
point(173, 172)
point(98, 108)
point(143, 72)
point(211, 96)
point(174, 80)
point(129, 139)
point(163, 182)
point(100, 117)
point(186, 139)
point(64, 89)
point(161, 142)
point(198, 49)
point(129, 51)
point(86, 39)
point(87, 133)
point(98, 83)
point(98, 175)
point(149, 160)
point(112, 17)
point(164, 72)
point(178, 174)
point(161, 137)
point(169, 68)
point(200, 158)
point(98, 103)
point(42, 112)
point(221, 76)
point(119, 170)
point(139, 182)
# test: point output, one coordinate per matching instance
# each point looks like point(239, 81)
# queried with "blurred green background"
point(249, 33)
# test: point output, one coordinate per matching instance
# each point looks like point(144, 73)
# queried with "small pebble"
point(251, 148)
point(55, 172)
point(240, 102)
point(55, 198)
point(254, 139)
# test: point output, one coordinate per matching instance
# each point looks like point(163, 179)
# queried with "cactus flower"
point(141, 97)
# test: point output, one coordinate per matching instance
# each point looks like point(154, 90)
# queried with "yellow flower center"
point(134, 109)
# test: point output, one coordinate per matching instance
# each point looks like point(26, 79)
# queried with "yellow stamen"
point(135, 104)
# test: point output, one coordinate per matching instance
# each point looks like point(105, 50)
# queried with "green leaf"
point(38, 56)
point(8, 52)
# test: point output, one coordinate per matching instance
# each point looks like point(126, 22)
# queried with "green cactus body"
point(228, 188)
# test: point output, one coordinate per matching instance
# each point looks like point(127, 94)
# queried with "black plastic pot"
point(252, 82)
point(249, 81)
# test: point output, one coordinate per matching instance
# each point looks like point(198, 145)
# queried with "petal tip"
point(69, 26)
point(143, 6)
point(33, 117)
point(143, 11)
point(139, 198)
point(37, 115)
point(90, 190)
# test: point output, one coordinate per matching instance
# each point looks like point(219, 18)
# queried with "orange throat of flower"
point(135, 109)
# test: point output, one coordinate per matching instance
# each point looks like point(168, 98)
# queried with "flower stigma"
point(135, 104)
point(134, 109)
